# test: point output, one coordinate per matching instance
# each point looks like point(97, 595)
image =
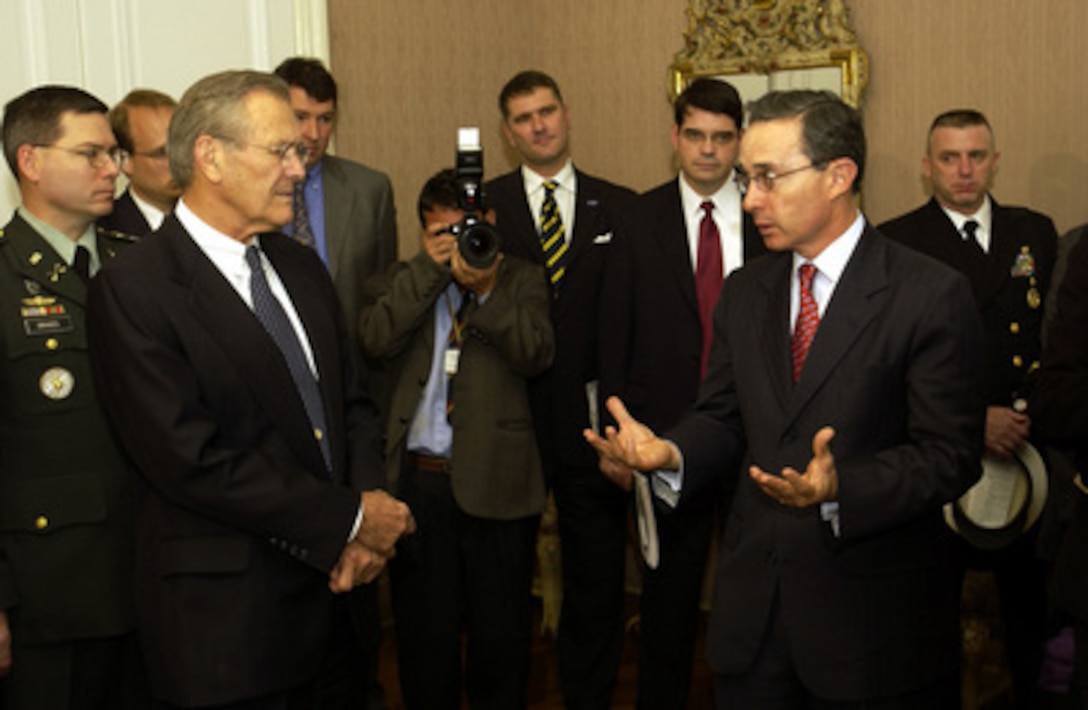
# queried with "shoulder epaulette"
point(114, 234)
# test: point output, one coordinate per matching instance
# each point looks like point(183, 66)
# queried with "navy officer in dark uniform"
point(66, 608)
point(1008, 255)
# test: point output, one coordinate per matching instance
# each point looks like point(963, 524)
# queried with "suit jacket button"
point(1017, 361)
point(1014, 327)
point(41, 522)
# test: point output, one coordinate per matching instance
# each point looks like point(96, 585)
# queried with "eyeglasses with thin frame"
point(97, 156)
point(283, 152)
point(766, 179)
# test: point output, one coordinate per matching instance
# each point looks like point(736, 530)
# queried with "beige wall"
point(412, 71)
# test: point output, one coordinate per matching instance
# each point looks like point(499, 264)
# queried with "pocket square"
point(603, 238)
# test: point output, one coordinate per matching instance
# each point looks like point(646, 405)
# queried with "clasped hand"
point(385, 520)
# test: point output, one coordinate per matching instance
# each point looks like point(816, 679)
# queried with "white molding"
point(311, 28)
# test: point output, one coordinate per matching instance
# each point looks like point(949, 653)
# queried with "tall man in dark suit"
point(222, 356)
point(140, 122)
point(67, 616)
point(461, 451)
point(845, 374)
point(1059, 413)
point(344, 210)
point(684, 238)
point(1008, 255)
point(553, 214)
point(349, 211)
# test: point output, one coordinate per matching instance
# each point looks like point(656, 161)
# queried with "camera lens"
point(478, 243)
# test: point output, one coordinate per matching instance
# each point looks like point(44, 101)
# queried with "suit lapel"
point(231, 324)
point(671, 236)
point(337, 200)
point(853, 305)
point(775, 340)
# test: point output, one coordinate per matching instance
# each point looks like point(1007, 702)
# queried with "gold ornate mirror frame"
point(761, 45)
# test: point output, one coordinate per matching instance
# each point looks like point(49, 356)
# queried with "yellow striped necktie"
point(552, 238)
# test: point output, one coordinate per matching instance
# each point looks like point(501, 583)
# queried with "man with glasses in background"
point(224, 364)
point(140, 122)
point(845, 377)
point(67, 614)
point(685, 236)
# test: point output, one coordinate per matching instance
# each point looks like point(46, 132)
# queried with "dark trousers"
point(669, 612)
point(772, 684)
point(593, 542)
point(1020, 577)
point(338, 685)
point(89, 674)
point(460, 573)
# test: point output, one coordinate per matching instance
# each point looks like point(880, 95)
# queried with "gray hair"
point(213, 107)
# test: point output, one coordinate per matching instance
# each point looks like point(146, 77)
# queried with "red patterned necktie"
point(708, 277)
point(808, 319)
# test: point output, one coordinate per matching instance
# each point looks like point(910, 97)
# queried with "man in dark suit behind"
point(665, 277)
point(222, 356)
point(461, 451)
point(67, 616)
point(140, 122)
point(581, 213)
point(1008, 255)
point(834, 586)
point(1059, 411)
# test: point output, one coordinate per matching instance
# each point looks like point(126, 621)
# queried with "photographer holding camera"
point(462, 328)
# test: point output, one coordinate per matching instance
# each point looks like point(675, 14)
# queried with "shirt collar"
point(61, 242)
point(534, 181)
point(151, 213)
point(692, 201)
point(984, 216)
point(224, 251)
point(831, 262)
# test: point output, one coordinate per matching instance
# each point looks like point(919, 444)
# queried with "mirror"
point(766, 45)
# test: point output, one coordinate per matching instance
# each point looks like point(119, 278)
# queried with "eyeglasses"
point(283, 152)
point(766, 178)
point(720, 139)
point(96, 156)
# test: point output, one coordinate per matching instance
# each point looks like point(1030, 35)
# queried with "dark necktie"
point(301, 220)
point(455, 341)
point(708, 277)
point(808, 319)
point(274, 319)
point(552, 238)
point(81, 264)
point(969, 229)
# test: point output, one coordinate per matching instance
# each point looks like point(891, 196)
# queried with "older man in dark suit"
point(683, 238)
point(1008, 255)
point(550, 213)
point(845, 375)
point(224, 364)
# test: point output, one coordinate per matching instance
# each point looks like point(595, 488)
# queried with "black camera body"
point(477, 241)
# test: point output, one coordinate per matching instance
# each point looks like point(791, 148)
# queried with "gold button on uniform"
point(51, 344)
point(1017, 361)
point(41, 522)
point(318, 434)
point(1014, 327)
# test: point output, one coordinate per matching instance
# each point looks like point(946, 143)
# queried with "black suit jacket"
point(895, 368)
point(651, 335)
point(126, 217)
point(238, 524)
point(1001, 280)
point(559, 398)
point(66, 543)
point(1059, 413)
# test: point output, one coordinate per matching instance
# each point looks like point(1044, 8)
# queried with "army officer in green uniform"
point(66, 611)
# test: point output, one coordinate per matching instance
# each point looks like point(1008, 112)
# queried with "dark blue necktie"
point(272, 316)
